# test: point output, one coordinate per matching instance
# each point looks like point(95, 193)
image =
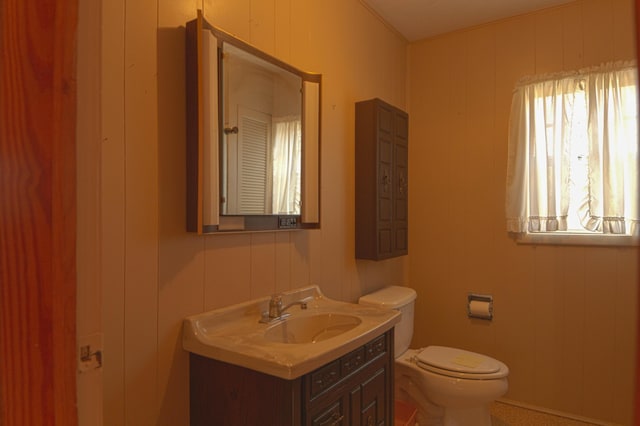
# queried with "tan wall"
point(153, 272)
point(565, 317)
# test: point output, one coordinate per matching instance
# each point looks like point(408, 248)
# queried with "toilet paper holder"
point(480, 306)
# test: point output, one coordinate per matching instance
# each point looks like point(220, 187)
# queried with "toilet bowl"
point(449, 386)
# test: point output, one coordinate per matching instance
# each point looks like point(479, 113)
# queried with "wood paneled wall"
point(565, 317)
point(154, 273)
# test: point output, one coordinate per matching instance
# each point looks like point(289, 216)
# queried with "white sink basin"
point(311, 329)
point(306, 340)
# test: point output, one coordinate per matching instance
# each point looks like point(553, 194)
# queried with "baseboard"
point(554, 412)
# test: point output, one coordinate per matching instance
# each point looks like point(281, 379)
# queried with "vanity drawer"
point(352, 361)
point(323, 378)
point(323, 382)
point(376, 347)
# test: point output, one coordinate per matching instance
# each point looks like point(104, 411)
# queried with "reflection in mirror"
point(261, 145)
point(253, 137)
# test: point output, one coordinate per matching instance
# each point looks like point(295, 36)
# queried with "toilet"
point(448, 386)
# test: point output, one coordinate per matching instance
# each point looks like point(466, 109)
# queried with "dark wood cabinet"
point(382, 133)
point(355, 389)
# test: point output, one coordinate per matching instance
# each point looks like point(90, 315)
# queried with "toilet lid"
point(460, 363)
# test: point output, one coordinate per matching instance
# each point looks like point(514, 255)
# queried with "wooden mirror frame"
point(204, 126)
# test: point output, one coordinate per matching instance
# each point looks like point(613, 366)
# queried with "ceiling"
point(419, 19)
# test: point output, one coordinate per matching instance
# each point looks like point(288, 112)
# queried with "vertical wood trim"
point(88, 169)
point(637, 392)
point(141, 212)
point(37, 212)
point(112, 209)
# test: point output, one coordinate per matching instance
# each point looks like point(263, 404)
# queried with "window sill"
point(576, 239)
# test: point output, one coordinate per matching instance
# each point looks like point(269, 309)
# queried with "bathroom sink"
point(291, 347)
point(311, 329)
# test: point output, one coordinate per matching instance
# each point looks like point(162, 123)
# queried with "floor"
point(511, 415)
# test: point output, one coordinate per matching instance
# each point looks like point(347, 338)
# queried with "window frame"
point(575, 236)
point(568, 238)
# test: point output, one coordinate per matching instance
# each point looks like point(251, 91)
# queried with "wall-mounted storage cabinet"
point(382, 133)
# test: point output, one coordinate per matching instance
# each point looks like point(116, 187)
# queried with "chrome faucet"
point(277, 310)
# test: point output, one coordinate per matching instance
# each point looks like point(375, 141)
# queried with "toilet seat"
point(459, 363)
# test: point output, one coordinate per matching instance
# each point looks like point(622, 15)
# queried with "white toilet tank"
point(401, 299)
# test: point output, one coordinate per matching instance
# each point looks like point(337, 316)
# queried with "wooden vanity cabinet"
point(382, 134)
point(355, 389)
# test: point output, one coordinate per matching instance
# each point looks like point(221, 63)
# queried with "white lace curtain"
point(287, 144)
point(565, 125)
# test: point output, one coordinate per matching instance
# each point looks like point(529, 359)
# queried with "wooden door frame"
point(637, 399)
point(38, 212)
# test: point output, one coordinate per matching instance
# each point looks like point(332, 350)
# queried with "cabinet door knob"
point(402, 184)
point(385, 187)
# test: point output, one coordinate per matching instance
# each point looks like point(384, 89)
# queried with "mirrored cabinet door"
point(253, 137)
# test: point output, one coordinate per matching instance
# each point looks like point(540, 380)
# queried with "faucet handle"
point(276, 299)
point(275, 305)
point(305, 301)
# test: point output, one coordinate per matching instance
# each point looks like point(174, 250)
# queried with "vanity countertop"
point(235, 335)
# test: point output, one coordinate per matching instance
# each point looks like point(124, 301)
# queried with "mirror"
point(253, 137)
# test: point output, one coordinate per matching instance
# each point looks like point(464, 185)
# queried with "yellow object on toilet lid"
point(460, 363)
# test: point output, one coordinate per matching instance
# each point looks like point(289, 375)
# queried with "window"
point(573, 155)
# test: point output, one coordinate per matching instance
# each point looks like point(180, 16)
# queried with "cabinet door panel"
point(385, 212)
point(355, 406)
point(332, 416)
point(222, 393)
point(373, 398)
point(385, 171)
point(385, 149)
point(401, 178)
point(401, 195)
point(401, 125)
point(381, 149)
point(384, 241)
point(401, 239)
point(385, 119)
point(368, 417)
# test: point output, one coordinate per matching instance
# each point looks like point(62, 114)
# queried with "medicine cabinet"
point(253, 137)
